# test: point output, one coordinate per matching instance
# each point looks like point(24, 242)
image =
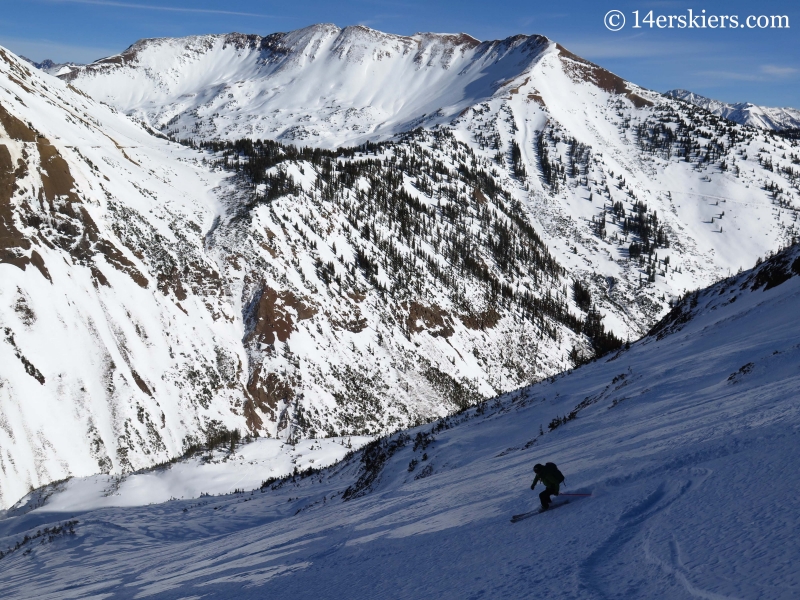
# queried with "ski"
point(520, 517)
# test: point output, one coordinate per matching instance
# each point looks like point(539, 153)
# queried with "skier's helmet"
point(537, 467)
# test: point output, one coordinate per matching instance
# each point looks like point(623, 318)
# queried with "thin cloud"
point(134, 5)
point(777, 71)
point(764, 73)
point(393, 4)
point(633, 46)
point(732, 75)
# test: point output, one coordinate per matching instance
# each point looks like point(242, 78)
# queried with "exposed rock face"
point(103, 368)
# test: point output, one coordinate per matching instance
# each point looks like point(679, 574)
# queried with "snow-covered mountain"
point(114, 353)
point(686, 444)
point(52, 68)
point(156, 294)
point(320, 86)
point(744, 113)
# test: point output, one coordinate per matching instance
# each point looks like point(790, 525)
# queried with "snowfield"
point(687, 442)
point(206, 473)
point(98, 369)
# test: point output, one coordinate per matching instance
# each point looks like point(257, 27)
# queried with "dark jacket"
point(548, 478)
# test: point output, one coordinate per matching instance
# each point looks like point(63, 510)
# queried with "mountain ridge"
point(250, 75)
point(744, 113)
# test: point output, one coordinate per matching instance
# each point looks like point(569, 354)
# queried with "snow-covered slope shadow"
point(687, 442)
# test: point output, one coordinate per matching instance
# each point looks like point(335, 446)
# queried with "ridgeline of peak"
point(320, 85)
point(299, 39)
point(745, 113)
point(50, 67)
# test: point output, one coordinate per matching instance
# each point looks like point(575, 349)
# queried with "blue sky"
point(756, 65)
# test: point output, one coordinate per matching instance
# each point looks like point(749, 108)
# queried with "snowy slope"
point(686, 441)
point(706, 186)
point(153, 338)
point(108, 361)
point(744, 113)
point(221, 470)
point(319, 86)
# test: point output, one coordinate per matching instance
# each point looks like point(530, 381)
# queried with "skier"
point(551, 477)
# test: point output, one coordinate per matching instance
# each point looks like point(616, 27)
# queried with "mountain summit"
point(320, 85)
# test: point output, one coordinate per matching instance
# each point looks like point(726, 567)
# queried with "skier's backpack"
point(554, 471)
